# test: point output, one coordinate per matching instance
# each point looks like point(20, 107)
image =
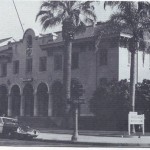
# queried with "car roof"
point(8, 118)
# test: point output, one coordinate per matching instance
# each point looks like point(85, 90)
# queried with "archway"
point(42, 96)
point(3, 100)
point(15, 95)
point(57, 99)
point(29, 99)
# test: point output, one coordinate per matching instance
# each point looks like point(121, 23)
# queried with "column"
point(9, 105)
point(22, 105)
point(49, 104)
point(35, 105)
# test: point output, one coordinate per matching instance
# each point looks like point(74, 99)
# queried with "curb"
point(92, 144)
point(105, 135)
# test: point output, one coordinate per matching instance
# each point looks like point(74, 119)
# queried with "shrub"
point(110, 103)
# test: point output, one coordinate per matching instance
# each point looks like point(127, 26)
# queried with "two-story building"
point(31, 70)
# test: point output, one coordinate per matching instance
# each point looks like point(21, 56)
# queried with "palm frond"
point(80, 28)
point(86, 5)
point(46, 21)
point(119, 21)
point(72, 3)
point(111, 4)
point(44, 12)
point(89, 14)
point(53, 13)
point(53, 5)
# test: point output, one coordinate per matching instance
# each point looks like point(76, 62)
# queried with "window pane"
point(16, 67)
point(29, 65)
point(3, 69)
point(75, 60)
point(43, 64)
point(58, 62)
point(29, 41)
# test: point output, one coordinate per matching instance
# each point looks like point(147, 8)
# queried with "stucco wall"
point(124, 66)
point(142, 69)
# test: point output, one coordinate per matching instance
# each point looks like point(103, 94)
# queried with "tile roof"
point(90, 32)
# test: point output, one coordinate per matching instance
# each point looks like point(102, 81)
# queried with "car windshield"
point(7, 120)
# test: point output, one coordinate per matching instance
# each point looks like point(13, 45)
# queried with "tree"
point(73, 16)
point(134, 17)
point(143, 101)
point(110, 103)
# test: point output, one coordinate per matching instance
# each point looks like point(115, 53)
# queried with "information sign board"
point(135, 119)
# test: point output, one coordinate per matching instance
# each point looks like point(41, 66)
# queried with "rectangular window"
point(16, 67)
point(4, 69)
point(42, 63)
point(28, 65)
point(103, 57)
point(75, 60)
point(58, 62)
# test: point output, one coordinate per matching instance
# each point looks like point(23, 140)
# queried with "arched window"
point(29, 41)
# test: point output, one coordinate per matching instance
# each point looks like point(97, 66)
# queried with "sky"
point(27, 9)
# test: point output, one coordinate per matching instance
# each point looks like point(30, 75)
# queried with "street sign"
point(135, 119)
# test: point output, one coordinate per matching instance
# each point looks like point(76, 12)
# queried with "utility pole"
point(18, 16)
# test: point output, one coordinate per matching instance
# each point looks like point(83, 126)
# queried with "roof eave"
point(61, 43)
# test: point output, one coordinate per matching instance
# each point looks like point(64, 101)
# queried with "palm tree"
point(133, 16)
point(73, 16)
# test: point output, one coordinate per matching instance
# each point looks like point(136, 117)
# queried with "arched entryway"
point(15, 95)
point(3, 100)
point(42, 97)
point(57, 99)
point(29, 99)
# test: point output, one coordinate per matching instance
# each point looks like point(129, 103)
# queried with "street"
point(46, 143)
point(40, 143)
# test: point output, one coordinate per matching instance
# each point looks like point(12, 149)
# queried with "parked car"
point(10, 127)
point(26, 132)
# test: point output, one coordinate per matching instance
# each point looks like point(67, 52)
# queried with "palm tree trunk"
point(133, 79)
point(67, 72)
point(133, 82)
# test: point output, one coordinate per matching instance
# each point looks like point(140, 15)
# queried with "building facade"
point(31, 70)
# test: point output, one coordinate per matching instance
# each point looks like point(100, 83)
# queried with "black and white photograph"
point(74, 73)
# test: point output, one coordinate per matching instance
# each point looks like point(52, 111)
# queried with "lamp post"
point(76, 113)
point(76, 94)
point(76, 104)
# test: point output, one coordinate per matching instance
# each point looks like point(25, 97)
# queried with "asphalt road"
point(40, 143)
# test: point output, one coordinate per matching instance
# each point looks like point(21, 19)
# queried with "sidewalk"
point(110, 138)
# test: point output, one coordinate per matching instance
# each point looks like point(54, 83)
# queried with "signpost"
point(76, 99)
point(76, 104)
point(135, 119)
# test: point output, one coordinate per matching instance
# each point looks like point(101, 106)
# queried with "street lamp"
point(76, 94)
point(75, 118)
point(76, 104)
